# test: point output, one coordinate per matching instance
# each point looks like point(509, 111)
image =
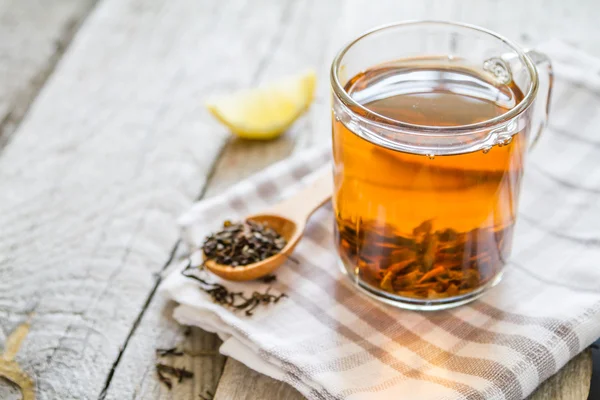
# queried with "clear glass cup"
point(431, 125)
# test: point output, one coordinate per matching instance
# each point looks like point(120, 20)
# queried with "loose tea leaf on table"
point(166, 381)
point(242, 243)
point(169, 352)
point(165, 371)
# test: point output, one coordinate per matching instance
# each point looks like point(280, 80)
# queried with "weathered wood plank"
point(33, 40)
point(306, 42)
point(113, 149)
point(8, 391)
point(34, 36)
point(242, 383)
point(282, 24)
point(135, 377)
point(528, 23)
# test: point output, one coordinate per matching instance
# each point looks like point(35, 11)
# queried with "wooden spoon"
point(287, 218)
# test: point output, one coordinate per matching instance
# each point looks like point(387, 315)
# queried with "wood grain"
point(306, 42)
point(135, 377)
point(112, 150)
point(242, 383)
point(281, 24)
point(34, 37)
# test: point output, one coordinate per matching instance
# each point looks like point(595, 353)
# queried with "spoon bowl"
point(285, 227)
point(288, 219)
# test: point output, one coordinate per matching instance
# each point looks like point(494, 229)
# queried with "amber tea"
point(426, 226)
point(432, 122)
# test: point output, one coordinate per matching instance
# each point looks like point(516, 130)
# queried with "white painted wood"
point(525, 22)
point(8, 391)
point(33, 35)
point(305, 42)
point(291, 34)
point(135, 377)
point(113, 149)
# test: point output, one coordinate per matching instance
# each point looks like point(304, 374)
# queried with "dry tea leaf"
point(426, 264)
point(179, 373)
point(242, 243)
point(169, 352)
point(392, 271)
point(234, 300)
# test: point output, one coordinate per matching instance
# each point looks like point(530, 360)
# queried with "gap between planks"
point(151, 295)
point(215, 180)
point(136, 323)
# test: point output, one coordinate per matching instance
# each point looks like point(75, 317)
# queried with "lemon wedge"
point(265, 112)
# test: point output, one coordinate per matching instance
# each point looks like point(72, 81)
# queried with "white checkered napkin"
point(332, 342)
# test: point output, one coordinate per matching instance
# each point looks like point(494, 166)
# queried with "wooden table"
point(104, 142)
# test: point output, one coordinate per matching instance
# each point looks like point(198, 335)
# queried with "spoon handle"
point(304, 202)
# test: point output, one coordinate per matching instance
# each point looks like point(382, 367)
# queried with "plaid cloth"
point(330, 341)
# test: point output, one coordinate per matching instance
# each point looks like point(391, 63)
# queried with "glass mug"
point(431, 125)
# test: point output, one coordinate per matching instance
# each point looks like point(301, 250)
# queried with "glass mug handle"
point(543, 64)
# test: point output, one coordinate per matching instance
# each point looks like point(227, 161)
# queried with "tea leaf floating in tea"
point(165, 372)
point(242, 243)
point(430, 219)
point(429, 264)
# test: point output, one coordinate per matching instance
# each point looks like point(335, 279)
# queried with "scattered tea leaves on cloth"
point(237, 301)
